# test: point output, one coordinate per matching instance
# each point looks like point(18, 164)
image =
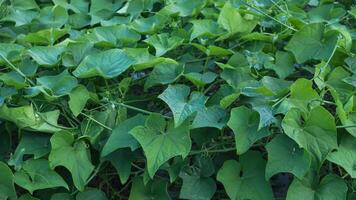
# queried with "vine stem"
point(212, 151)
point(267, 15)
point(96, 121)
point(12, 66)
point(346, 126)
point(137, 109)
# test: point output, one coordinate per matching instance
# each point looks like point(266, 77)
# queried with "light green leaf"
point(345, 156)
point(251, 184)
point(7, 188)
point(26, 118)
point(284, 155)
point(73, 155)
point(107, 64)
point(78, 98)
point(315, 131)
point(37, 175)
point(213, 116)
point(58, 85)
point(330, 188)
point(164, 42)
point(46, 36)
point(199, 79)
point(312, 42)
point(284, 64)
point(114, 36)
point(244, 122)
point(177, 98)
point(186, 7)
point(164, 74)
point(46, 56)
point(144, 60)
point(8, 50)
point(231, 20)
point(150, 25)
point(159, 144)
point(205, 28)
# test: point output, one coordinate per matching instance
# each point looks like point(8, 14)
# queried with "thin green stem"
point(346, 126)
point(212, 151)
point(96, 121)
point(267, 15)
point(13, 67)
point(137, 109)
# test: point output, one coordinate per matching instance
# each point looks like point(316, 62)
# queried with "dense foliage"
point(178, 99)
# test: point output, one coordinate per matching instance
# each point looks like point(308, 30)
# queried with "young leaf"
point(244, 123)
point(159, 144)
point(312, 42)
point(251, 184)
point(330, 187)
point(316, 132)
point(284, 155)
point(72, 155)
point(107, 64)
point(7, 188)
point(176, 97)
point(37, 175)
point(156, 189)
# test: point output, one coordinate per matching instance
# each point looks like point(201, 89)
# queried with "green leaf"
point(197, 188)
point(230, 19)
point(7, 188)
point(284, 64)
point(26, 118)
point(46, 36)
point(199, 79)
point(150, 25)
point(121, 159)
point(107, 64)
point(213, 116)
point(159, 144)
point(58, 85)
point(73, 155)
point(115, 36)
point(164, 42)
point(144, 60)
point(345, 156)
point(46, 56)
point(9, 51)
point(78, 98)
point(244, 123)
point(164, 74)
point(24, 5)
point(315, 131)
point(185, 7)
point(120, 137)
point(251, 184)
point(205, 28)
point(177, 98)
point(312, 42)
point(36, 175)
point(284, 155)
point(331, 187)
point(302, 96)
point(156, 189)
point(34, 144)
point(91, 194)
